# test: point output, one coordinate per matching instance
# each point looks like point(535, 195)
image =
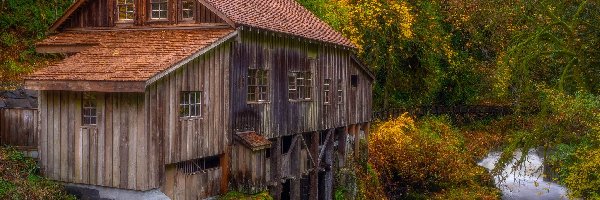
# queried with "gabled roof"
point(132, 55)
point(284, 16)
point(253, 140)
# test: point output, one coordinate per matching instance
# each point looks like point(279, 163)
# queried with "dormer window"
point(187, 9)
point(126, 9)
point(159, 9)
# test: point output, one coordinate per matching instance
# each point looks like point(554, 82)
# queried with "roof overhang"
point(182, 63)
point(86, 86)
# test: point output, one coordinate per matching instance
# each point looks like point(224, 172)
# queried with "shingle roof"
point(128, 55)
point(285, 16)
point(253, 140)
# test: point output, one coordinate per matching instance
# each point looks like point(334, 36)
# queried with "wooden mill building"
point(200, 97)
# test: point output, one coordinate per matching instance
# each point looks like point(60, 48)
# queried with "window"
point(286, 144)
point(159, 9)
point(326, 91)
point(340, 92)
point(258, 85)
point(199, 165)
point(191, 104)
point(187, 10)
point(89, 115)
point(126, 9)
point(300, 86)
point(354, 80)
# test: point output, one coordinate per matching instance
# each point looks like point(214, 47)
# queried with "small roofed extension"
point(198, 97)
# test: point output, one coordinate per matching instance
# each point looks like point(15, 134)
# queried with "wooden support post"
point(356, 133)
point(314, 174)
point(328, 160)
point(276, 172)
point(295, 167)
point(225, 169)
point(342, 146)
point(367, 129)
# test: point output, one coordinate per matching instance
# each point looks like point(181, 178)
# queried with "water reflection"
point(525, 182)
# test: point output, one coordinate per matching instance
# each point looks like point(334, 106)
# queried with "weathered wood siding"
point(103, 13)
point(114, 153)
point(281, 117)
point(250, 169)
point(200, 185)
point(18, 127)
point(190, 138)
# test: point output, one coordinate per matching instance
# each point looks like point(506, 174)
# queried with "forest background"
point(539, 57)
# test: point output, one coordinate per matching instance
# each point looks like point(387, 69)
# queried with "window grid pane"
point(187, 9)
point(340, 92)
point(326, 91)
point(126, 9)
point(89, 110)
point(258, 85)
point(191, 104)
point(159, 9)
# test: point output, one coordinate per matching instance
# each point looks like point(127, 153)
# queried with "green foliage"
point(233, 195)
point(568, 126)
point(20, 179)
point(22, 23)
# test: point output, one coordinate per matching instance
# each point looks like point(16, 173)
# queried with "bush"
point(20, 179)
point(426, 157)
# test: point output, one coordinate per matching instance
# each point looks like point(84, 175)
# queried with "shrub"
point(425, 157)
point(20, 179)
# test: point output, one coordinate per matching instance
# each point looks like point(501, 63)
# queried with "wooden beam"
point(76, 48)
point(218, 13)
point(86, 86)
point(329, 133)
point(314, 174)
point(66, 15)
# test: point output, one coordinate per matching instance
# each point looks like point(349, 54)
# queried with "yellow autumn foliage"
point(428, 156)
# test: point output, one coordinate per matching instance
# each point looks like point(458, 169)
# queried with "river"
point(525, 182)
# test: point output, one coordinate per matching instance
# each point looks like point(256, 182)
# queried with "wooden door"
point(86, 155)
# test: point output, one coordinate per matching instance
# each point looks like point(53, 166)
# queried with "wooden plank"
point(108, 139)
point(118, 140)
point(78, 148)
point(124, 143)
point(100, 137)
point(93, 155)
point(142, 147)
point(64, 104)
point(43, 132)
point(56, 137)
point(85, 155)
point(132, 140)
point(71, 131)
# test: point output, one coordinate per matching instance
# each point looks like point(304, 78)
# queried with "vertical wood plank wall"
point(191, 138)
point(199, 185)
point(250, 169)
point(18, 127)
point(113, 153)
point(281, 117)
point(102, 13)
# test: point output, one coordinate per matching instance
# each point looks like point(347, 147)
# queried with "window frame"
point(327, 91)
point(185, 107)
point(159, 10)
point(89, 109)
point(340, 91)
point(258, 88)
point(303, 84)
point(192, 9)
point(126, 5)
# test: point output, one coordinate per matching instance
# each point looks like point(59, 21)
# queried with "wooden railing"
point(457, 112)
point(18, 127)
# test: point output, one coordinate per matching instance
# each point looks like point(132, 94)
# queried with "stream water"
point(525, 182)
